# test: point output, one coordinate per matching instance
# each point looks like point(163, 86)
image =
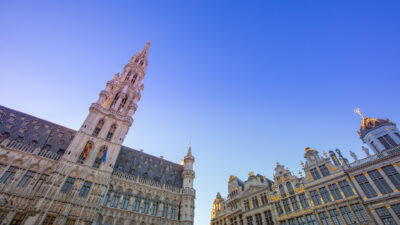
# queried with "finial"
point(190, 148)
point(326, 155)
point(302, 164)
point(357, 110)
point(300, 173)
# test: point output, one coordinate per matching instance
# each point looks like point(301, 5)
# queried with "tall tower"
point(98, 142)
point(188, 174)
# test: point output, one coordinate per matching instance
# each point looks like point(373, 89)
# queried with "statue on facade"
point(353, 155)
point(366, 150)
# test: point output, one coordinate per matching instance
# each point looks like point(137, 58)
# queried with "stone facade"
point(333, 190)
point(50, 174)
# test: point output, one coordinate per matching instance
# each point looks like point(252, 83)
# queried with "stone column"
point(376, 217)
point(393, 214)
point(10, 216)
point(372, 184)
point(358, 187)
point(387, 180)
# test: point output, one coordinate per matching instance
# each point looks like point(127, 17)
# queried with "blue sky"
point(250, 82)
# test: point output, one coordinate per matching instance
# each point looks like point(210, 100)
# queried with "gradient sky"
point(250, 82)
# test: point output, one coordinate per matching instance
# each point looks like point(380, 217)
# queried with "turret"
point(378, 134)
point(188, 175)
point(98, 141)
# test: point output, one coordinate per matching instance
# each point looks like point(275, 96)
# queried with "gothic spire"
point(141, 57)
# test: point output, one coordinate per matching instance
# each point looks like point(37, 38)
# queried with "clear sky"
point(250, 82)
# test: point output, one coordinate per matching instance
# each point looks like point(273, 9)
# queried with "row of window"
point(99, 126)
point(289, 188)
point(316, 174)
point(343, 216)
point(255, 202)
point(257, 220)
point(70, 182)
point(379, 181)
point(168, 209)
point(333, 190)
point(294, 202)
point(99, 158)
point(25, 180)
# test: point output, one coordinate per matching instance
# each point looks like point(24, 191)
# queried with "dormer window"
point(324, 170)
point(314, 172)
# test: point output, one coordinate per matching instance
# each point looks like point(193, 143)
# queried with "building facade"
point(333, 190)
point(50, 174)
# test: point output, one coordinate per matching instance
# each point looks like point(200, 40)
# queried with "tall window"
point(365, 186)
point(336, 217)
point(323, 216)
point(111, 132)
point(99, 157)
point(128, 76)
point(173, 211)
point(347, 190)
point(258, 219)
point(312, 219)
point(264, 198)
point(85, 189)
point(125, 200)
point(85, 152)
point(98, 128)
point(295, 203)
point(115, 198)
point(164, 212)
point(303, 201)
point(136, 204)
point(325, 195)
point(286, 205)
point(268, 217)
point(385, 216)
point(324, 170)
point(246, 204)
point(279, 208)
point(26, 179)
point(107, 196)
point(360, 213)
point(249, 220)
point(154, 207)
point(380, 182)
point(254, 200)
point(68, 185)
point(335, 191)
point(123, 102)
point(348, 217)
point(282, 191)
point(393, 175)
point(314, 172)
point(146, 204)
point(114, 100)
point(134, 78)
point(8, 175)
point(315, 197)
point(289, 187)
point(387, 141)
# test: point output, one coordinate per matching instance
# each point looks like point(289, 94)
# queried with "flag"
point(105, 155)
point(86, 150)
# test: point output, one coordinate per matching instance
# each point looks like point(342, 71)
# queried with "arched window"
point(107, 196)
point(111, 132)
point(115, 100)
point(125, 200)
point(136, 204)
point(282, 191)
point(115, 199)
point(100, 157)
point(154, 207)
point(289, 187)
point(123, 102)
point(173, 211)
point(98, 128)
point(85, 152)
point(134, 78)
point(146, 205)
point(141, 62)
point(128, 76)
point(164, 212)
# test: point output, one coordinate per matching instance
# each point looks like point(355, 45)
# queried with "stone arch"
point(17, 162)
point(109, 221)
point(90, 178)
point(34, 167)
